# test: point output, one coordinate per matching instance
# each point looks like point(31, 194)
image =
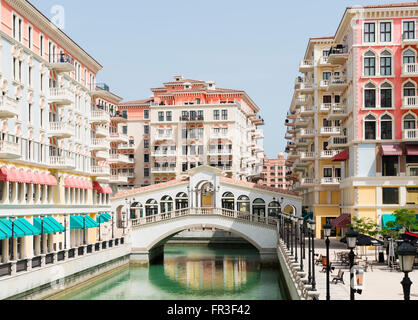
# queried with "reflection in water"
point(191, 273)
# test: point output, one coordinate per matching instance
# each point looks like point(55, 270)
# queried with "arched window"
point(151, 208)
point(370, 128)
point(408, 56)
point(409, 89)
point(259, 207)
point(274, 209)
point(243, 204)
point(385, 63)
point(386, 131)
point(182, 201)
point(409, 122)
point(166, 204)
point(386, 95)
point(228, 201)
point(369, 64)
point(370, 95)
point(137, 211)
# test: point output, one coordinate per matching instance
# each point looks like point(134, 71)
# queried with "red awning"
point(89, 185)
point(342, 221)
point(23, 177)
point(102, 189)
point(69, 183)
point(342, 156)
point(52, 181)
point(4, 173)
point(13, 175)
point(391, 150)
point(97, 187)
point(43, 179)
point(412, 150)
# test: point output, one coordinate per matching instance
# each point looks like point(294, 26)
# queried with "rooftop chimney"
point(178, 78)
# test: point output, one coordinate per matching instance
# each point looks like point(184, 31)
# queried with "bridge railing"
point(204, 211)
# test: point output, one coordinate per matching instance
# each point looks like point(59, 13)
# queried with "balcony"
point(293, 155)
point(300, 101)
point(229, 169)
point(289, 123)
point(307, 111)
point(329, 154)
point(410, 134)
point(307, 133)
point(338, 55)
point(9, 150)
point(410, 103)
point(307, 182)
point(61, 130)
point(100, 145)
point(308, 156)
point(192, 119)
point(118, 159)
point(324, 61)
point(164, 137)
point(330, 181)
point(9, 108)
point(158, 170)
point(119, 179)
point(100, 171)
point(299, 164)
point(60, 96)
point(288, 137)
point(298, 82)
point(324, 84)
point(338, 142)
point(328, 131)
point(258, 148)
point(99, 117)
point(306, 65)
point(410, 70)
point(339, 84)
point(306, 87)
point(219, 152)
point(325, 107)
point(102, 155)
point(164, 153)
point(62, 162)
point(102, 132)
point(127, 146)
point(118, 118)
point(116, 137)
point(337, 112)
point(259, 134)
point(301, 123)
point(62, 63)
point(302, 142)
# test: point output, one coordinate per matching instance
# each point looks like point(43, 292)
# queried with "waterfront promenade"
point(380, 284)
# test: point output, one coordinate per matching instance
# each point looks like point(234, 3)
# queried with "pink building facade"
point(274, 173)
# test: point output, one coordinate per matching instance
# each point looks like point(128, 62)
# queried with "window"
point(30, 36)
point(146, 172)
point(369, 64)
point(146, 129)
point(30, 76)
point(326, 75)
point(125, 114)
point(30, 113)
point(370, 96)
point(409, 122)
point(390, 166)
point(386, 127)
point(216, 114)
point(385, 64)
point(385, 32)
point(369, 32)
point(125, 129)
point(408, 30)
point(408, 57)
point(161, 116)
point(146, 143)
point(386, 95)
point(224, 114)
point(409, 89)
point(370, 128)
point(169, 116)
point(146, 158)
point(390, 195)
point(146, 114)
point(327, 172)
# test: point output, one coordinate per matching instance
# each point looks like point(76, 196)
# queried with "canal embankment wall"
point(51, 279)
point(287, 277)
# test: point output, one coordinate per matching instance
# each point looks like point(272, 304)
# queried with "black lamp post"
point(84, 229)
point(291, 234)
point(42, 234)
point(351, 237)
point(112, 226)
point(406, 253)
point(327, 233)
point(65, 231)
point(100, 222)
point(295, 223)
point(308, 231)
point(312, 230)
point(13, 239)
point(300, 221)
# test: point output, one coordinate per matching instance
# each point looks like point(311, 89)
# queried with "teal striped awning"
point(104, 217)
point(78, 222)
point(35, 231)
point(391, 218)
point(7, 226)
point(48, 226)
point(58, 227)
point(90, 223)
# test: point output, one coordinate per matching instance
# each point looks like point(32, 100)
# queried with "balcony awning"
point(78, 222)
point(52, 181)
point(391, 150)
point(342, 221)
point(35, 231)
point(56, 225)
point(50, 225)
point(102, 189)
point(342, 156)
point(6, 226)
point(11, 175)
point(412, 150)
point(103, 218)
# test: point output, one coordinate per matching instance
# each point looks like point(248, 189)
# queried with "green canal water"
point(191, 273)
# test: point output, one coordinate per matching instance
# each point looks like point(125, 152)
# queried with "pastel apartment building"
point(54, 182)
point(274, 173)
point(359, 87)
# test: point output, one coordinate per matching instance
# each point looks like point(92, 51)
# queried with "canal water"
point(191, 273)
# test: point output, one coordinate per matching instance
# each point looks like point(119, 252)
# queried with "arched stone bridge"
point(149, 234)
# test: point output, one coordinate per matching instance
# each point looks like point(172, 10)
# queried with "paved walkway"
point(380, 284)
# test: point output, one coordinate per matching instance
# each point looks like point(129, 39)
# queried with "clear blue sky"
point(249, 45)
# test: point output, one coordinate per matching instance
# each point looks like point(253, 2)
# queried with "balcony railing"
point(410, 102)
point(100, 144)
point(162, 137)
point(330, 130)
point(161, 153)
point(119, 178)
point(60, 96)
point(126, 146)
point(338, 142)
point(306, 65)
point(337, 83)
point(410, 69)
point(102, 132)
point(219, 135)
point(119, 158)
point(61, 129)
point(164, 170)
point(410, 134)
point(9, 150)
point(116, 137)
point(307, 155)
point(307, 132)
point(329, 153)
point(100, 171)
point(9, 108)
point(99, 116)
point(216, 152)
point(307, 181)
point(61, 63)
point(61, 162)
point(331, 181)
point(325, 107)
point(337, 112)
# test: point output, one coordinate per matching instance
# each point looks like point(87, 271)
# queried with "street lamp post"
point(291, 234)
point(65, 231)
point(327, 233)
point(42, 234)
point(112, 226)
point(295, 223)
point(351, 236)
point(406, 253)
point(312, 229)
point(13, 239)
point(287, 231)
point(308, 230)
point(100, 229)
point(84, 229)
point(301, 245)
